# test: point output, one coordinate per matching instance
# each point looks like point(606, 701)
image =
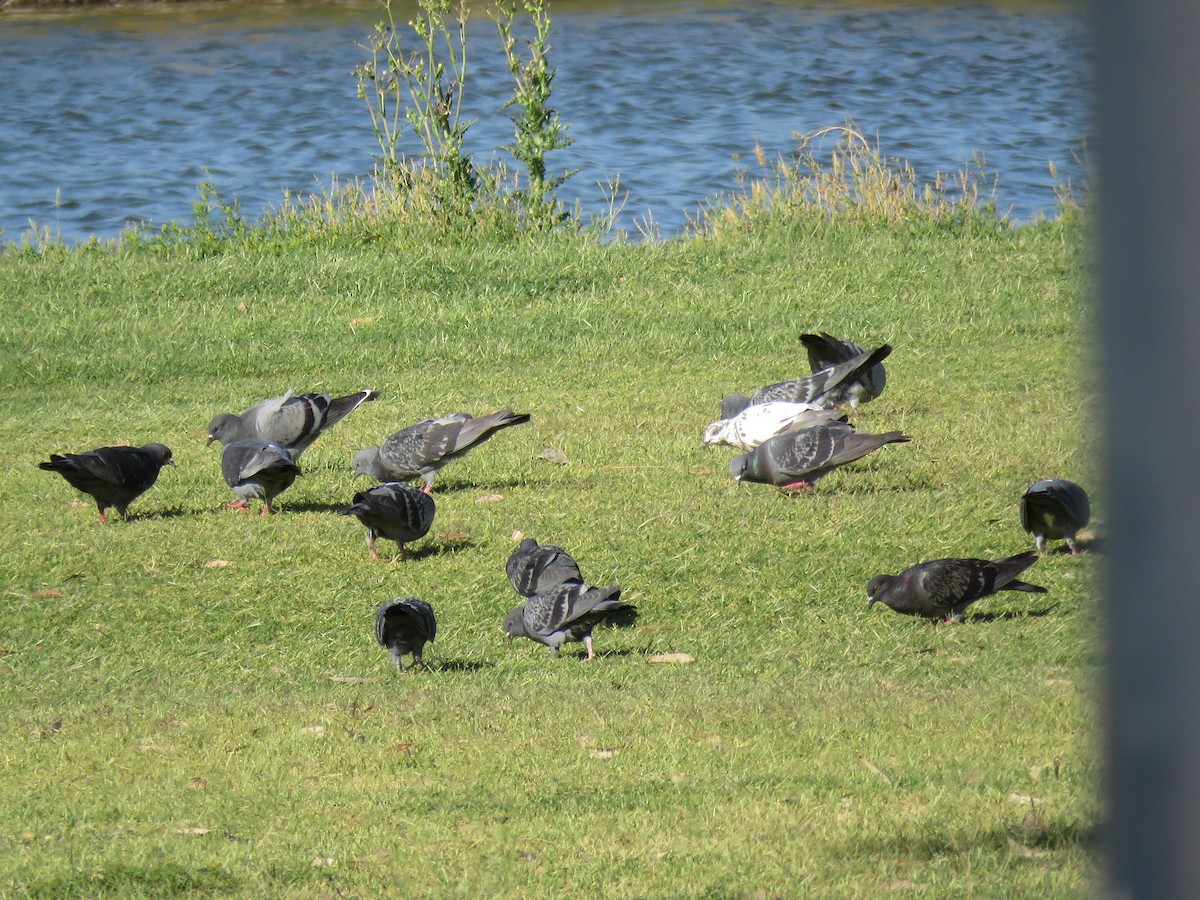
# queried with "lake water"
point(113, 116)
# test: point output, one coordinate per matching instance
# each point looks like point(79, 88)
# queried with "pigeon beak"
point(508, 636)
point(211, 438)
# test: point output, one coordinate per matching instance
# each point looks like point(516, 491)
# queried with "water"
point(114, 116)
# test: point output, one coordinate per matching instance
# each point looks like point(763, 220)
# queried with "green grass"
point(174, 727)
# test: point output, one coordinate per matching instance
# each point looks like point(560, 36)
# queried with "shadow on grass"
point(984, 618)
point(1032, 837)
point(123, 880)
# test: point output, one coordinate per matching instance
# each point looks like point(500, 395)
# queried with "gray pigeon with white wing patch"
point(943, 588)
point(533, 568)
point(825, 351)
point(1052, 509)
point(568, 612)
point(420, 450)
point(395, 511)
point(830, 387)
point(799, 459)
point(291, 421)
point(257, 470)
point(112, 476)
point(405, 625)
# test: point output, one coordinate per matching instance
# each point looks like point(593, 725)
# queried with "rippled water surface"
point(113, 116)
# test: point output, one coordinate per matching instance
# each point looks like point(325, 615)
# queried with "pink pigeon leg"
point(587, 642)
point(238, 504)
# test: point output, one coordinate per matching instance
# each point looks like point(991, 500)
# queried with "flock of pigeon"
point(791, 435)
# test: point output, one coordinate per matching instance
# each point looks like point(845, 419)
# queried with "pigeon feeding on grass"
point(405, 625)
point(943, 588)
point(533, 568)
point(420, 450)
point(799, 459)
point(395, 511)
point(113, 476)
point(1053, 509)
point(291, 421)
point(257, 470)
point(825, 351)
point(830, 387)
point(759, 423)
point(568, 612)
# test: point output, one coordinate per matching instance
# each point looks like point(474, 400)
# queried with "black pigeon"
point(404, 626)
point(420, 450)
point(113, 476)
point(534, 568)
point(395, 511)
point(1053, 509)
point(825, 351)
point(830, 387)
point(257, 470)
point(290, 421)
point(943, 588)
point(568, 612)
point(798, 459)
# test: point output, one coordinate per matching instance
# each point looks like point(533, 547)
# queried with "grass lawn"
point(194, 702)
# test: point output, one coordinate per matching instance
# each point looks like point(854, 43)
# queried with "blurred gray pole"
point(1148, 67)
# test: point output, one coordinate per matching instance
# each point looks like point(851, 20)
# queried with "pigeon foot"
point(796, 486)
point(238, 504)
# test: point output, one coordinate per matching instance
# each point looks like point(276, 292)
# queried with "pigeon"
point(1053, 509)
point(799, 459)
point(257, 469)
point(290, 421)
point(113, 476)
point(534, 568)
point(567, 612)
point(756, 424)
point(826, 351)
point(420, 450)
point(830, 387)
point(404, 626)
point(943, 588)
point(398, 512)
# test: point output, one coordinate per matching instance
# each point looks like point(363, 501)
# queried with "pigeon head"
point(740, 465)
point(877, 587)
point(224, 428)
point(514, 623)
point(715, 432)
point(366, 462)
point(160, 452)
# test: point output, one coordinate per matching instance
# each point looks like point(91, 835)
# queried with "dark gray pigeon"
point(257, 470)
point(1054, 508)
point(830, 387)
point(290, 421)
point(113, 476)
point(395, 511)
point(420, 450)
point(534, 568)
point(404, 626)
point(799, 459)
point(567, 612)
point(825, 351)
point(943, 588)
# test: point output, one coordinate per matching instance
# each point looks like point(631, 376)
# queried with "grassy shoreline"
point(174, 719)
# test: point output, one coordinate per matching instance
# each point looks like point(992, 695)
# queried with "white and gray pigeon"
point(799, 459)
point(291, 421)
point(533, 568)
point(943, 588)
point(113, 476)
point(257, 470)
point(759, 423)
point(830, 387)
point(1052, 509)
point(568, 612)
point(826, 351)
point(405, 625)
point(395, 511)
point(420, 450)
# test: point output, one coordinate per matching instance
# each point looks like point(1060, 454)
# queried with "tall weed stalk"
point(538, 129)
